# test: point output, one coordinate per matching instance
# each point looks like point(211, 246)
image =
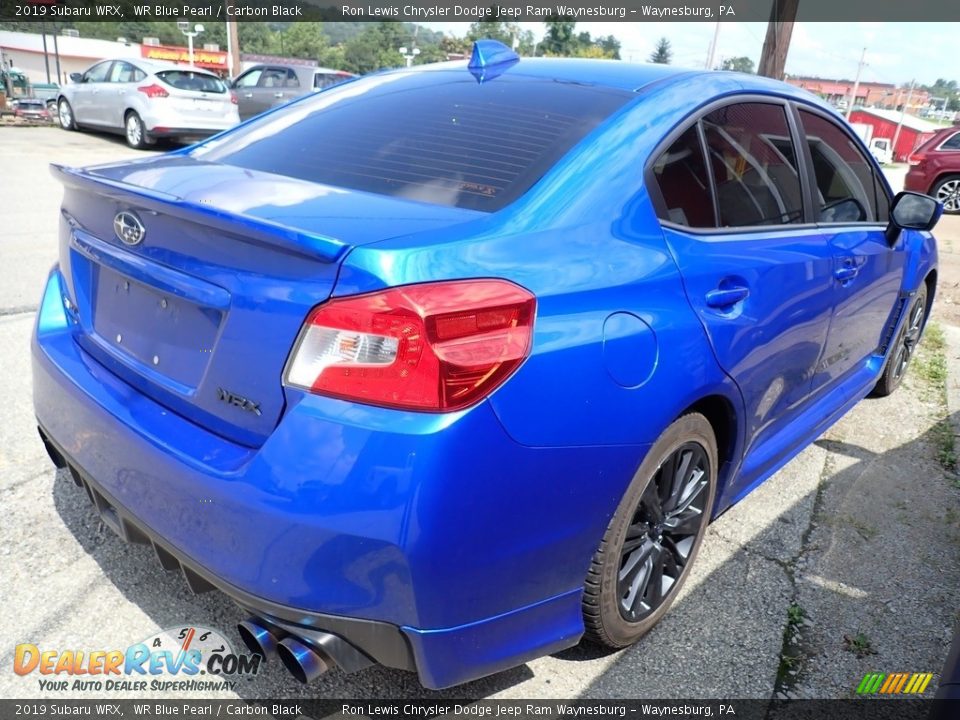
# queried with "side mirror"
point(912, 211)
point(76, 77)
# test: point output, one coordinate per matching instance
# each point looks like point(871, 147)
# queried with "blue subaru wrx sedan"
point(448, 368)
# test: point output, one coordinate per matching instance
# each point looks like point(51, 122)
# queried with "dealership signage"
point(212, 59)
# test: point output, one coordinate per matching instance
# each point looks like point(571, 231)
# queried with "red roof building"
point(913, 132)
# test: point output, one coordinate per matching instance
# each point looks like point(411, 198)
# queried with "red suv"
point(935, 169)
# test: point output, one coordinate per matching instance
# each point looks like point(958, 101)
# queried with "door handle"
point(726, 297)
point(847, 272)
point(250, 94)
point(278, 95)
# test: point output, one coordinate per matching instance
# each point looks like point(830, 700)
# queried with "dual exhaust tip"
point(301, 660)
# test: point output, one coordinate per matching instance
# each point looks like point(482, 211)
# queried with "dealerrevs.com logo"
point(176, 659)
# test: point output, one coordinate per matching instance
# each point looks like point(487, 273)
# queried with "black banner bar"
point(79, 11)
point(578, 709)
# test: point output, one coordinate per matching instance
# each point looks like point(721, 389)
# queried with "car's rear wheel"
point(135, 131)
point(900, 354)
point(65, 115)
point(653, 539)
point(947, 191)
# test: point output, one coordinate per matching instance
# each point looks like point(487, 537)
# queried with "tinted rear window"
point(187, 80)
point(325, 80)
point(438, 137)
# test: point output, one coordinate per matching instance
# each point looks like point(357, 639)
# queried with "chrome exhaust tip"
point(303, 662)
point(258, 639)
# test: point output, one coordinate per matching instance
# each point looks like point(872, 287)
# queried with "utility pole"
point(856, 83)
point(56, 55)
point(46, 56)
point(773, 58)
point(896, 135)
point(711, 54)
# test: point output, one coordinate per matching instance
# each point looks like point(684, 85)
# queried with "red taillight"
point(153, 91)
point(916, 159)
point(233, 97)
point(437, 346)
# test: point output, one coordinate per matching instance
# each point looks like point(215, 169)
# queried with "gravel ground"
point(860, 531)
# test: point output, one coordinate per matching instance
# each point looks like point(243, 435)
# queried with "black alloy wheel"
point(904, 347)
point(654, 535)
point(663, 531)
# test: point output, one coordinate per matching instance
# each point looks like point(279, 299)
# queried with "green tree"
point(662, 53)
point(506, 32)
point(738, 64)
point(610, 46)
point(304, 40)
point(559, 39)
point(377, 47)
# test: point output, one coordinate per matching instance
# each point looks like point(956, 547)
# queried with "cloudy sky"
point(896, 52)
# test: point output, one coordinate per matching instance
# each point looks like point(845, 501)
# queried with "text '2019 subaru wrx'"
point(448, 368)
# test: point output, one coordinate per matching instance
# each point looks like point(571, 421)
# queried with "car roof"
point(159, 65)
point(608, 73)
point(297, 68)
point(620, 75)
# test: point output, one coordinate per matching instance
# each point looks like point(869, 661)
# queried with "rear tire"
point(900, 353)
point(654, 536)
point(135, 131)
point(65, 115)
point(947, 191)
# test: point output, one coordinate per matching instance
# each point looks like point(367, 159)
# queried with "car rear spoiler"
point(253, 229)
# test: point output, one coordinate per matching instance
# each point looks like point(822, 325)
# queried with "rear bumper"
point(184, 132)
point(916, 181)
point(161, 122)
point(427, 541)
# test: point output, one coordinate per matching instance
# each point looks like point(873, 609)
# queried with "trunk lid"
point(201, 304)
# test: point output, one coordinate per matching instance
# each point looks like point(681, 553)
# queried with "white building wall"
point(24, 51)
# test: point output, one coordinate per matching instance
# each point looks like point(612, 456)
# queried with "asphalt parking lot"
point(852, 551)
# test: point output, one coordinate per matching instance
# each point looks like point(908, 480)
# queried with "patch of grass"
point(930, 362)
point(795, 615)
point(791, 654)
point(930, 365)
point(858, 644)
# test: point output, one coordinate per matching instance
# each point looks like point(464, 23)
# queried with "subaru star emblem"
point(128, 228)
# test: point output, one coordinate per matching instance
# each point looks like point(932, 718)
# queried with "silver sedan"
point(146, 100)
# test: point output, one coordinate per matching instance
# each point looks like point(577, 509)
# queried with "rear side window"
point(188, 80)
point(682, 178)
point(844, 174)
point(754, 165)
point(438, 137)
point(325, 80)
point(951, 143)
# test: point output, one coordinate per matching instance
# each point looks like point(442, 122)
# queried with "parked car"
point(446, 375)
point(882, 150)
point(935, 168)
point(31, 109)
point(147, 100)
point(262, 87)
point(48, 92)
